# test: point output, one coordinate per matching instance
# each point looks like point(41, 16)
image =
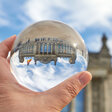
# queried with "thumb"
point(62, 94)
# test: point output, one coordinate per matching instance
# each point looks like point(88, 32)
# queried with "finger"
point(8, 59)
point(6, 46)
point(62, 94)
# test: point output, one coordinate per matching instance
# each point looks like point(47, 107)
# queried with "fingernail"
point(84, 78)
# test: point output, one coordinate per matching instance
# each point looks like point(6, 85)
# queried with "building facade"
point(46, 50)
point(98, 93)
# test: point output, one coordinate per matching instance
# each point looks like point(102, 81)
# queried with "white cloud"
point(3, 22)
point(3, 17)
point(79, 14)
point(44, 76)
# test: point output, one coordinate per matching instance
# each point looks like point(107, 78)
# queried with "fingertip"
point(84, 77)
point(88, 74)
point(13, 36)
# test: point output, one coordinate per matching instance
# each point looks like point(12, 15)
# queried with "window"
point(61, 48)
point(64, 48)
point(41, 48)
point(82, 53)
point(53, 48)
point(54, 39)
point(49, 48)
point(68, 49)
point(58, 48)
point(32, 47)
point(36, 40)
point(45, 48)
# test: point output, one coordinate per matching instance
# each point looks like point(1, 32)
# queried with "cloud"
point(41, 77)
point(3, 17)
point(3, 22)
point(79, 14)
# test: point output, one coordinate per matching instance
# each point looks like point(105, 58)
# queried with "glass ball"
point(47, 53)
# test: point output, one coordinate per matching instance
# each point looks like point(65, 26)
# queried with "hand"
point(16, 98)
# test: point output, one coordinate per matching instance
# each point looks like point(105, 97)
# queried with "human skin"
point(16, 98)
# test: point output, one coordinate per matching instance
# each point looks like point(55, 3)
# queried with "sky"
point(91, 18)
point(47, 75)
point(41, 77)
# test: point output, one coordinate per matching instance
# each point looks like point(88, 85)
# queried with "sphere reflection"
point(46, 53)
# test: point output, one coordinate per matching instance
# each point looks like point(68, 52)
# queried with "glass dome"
point(46, 53)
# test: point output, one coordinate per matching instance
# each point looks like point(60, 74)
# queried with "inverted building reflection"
point(46, 50)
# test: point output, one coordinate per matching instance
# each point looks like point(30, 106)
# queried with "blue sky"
point(91, 18)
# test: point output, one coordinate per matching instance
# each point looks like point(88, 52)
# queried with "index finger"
point(6, 46)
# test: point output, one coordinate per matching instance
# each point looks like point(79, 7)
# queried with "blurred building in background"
point(98, 93)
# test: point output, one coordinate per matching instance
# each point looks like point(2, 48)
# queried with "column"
point(55, 48)
point(108, 93)
point(102, 97)
point(58, 48)
point(35, 48)
point(72, 106)
point(39, 48)
point(65, 49)
point(62, 48)
point(69, 49)
point(88, 98)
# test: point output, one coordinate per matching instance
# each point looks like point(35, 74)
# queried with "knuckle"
point(72, 88)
